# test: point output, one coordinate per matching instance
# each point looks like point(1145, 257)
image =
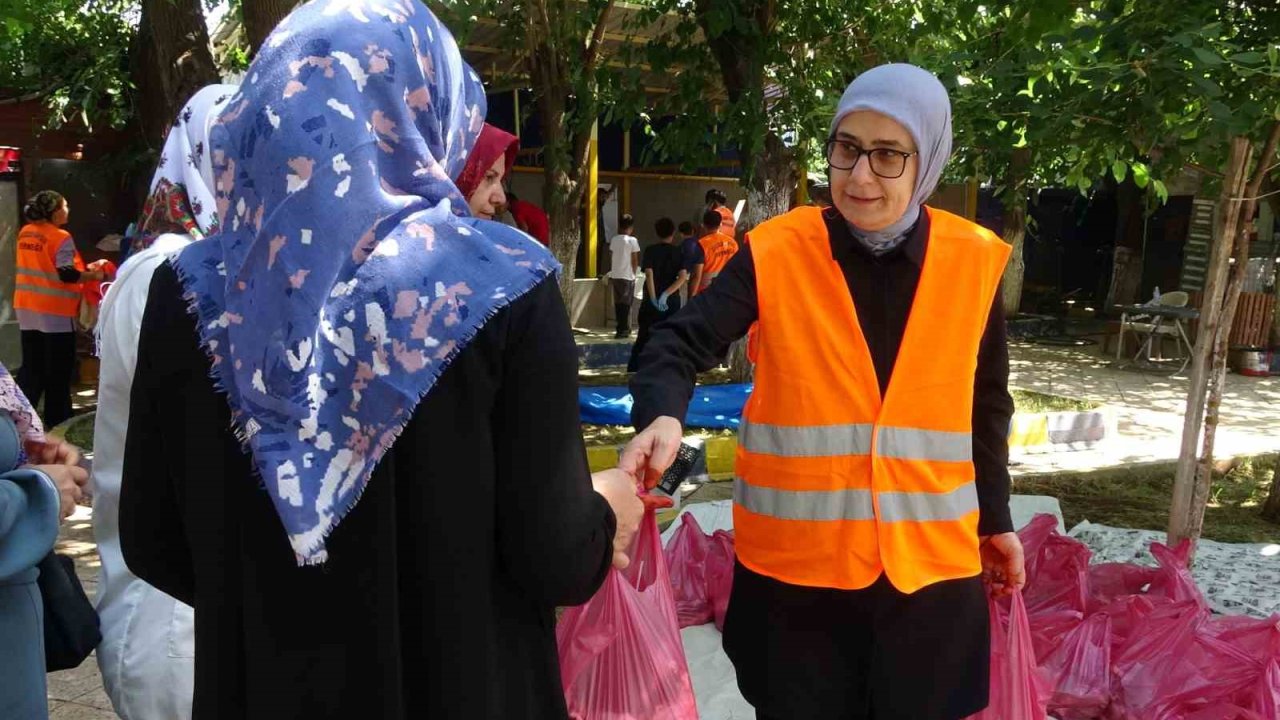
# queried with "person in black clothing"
point(875, 652)
point(664, 275)
point(363, 465)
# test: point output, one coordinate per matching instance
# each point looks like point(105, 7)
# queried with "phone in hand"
point(687, 457)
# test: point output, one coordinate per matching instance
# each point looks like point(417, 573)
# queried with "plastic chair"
point(1153, 330)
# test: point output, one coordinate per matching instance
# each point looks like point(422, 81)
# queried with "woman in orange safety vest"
point(46, 298)
point(871, 493)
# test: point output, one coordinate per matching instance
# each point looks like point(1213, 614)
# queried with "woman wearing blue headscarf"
point(871, 497)
point(357, 338)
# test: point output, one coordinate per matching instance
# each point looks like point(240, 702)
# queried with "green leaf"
point(1119, 169)
point(1161, 191)
point(1141, 175)
point(1249, 58)
point(1208, 57)
point(1211, 88)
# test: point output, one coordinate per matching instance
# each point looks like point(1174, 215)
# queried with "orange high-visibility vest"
point(727, 224)
point(836, 486)
point(37, 286)
point(717, 250)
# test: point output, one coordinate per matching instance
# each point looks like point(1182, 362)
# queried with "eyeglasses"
point(888, 164)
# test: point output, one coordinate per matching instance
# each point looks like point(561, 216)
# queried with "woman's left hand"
point(51, 451)
point(1003, 566)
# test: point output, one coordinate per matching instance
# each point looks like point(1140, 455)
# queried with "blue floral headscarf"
point(346, 275)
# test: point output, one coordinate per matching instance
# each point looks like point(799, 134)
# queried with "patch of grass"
point(1026, 401)
point(1140, 497)
point(78, 431)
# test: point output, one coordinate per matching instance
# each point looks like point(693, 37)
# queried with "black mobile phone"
point(686, 459)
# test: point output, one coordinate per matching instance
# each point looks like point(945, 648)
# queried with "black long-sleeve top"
point(438, 597)
point(883, 288)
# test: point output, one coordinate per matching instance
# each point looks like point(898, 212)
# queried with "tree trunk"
point(261, 17)
point(771, 186)
point(1271, 509)
point(1192, 481)
point(769, 193)
point(171, 60)
point(1015, 229)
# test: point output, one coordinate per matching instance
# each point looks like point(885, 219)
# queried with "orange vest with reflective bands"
point(37, 286)
point(717, 250)
point(727, 224)
point(835, 485)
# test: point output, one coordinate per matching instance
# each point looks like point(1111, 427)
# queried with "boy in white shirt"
point(625, 249)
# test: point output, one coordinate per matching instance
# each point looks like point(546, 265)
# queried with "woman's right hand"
point(69, 479)
point(619, 490)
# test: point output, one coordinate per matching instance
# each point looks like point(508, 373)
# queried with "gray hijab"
point(916, 99)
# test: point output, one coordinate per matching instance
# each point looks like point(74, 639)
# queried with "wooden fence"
point(1252, 325)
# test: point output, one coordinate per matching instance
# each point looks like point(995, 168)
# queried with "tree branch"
point(1268, 152)
point(592, 55)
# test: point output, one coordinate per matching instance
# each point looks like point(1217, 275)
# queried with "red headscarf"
point(493, 144)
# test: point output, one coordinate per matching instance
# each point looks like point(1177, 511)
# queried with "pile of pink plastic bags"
point(1114, 641)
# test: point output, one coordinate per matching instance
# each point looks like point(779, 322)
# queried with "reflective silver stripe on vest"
point(41, 290)
point(827, 505)
point(39, 274)
point(915, 444)
point(805, 440)
point(921, 507)
point(804, 504)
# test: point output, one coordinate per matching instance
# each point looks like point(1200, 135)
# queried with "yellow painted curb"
point(720, 456)
point(1029, 431)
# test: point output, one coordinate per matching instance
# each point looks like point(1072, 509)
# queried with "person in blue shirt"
point(34, 499)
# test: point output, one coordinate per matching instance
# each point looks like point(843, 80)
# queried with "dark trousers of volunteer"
point(623, 296)
point(48, 359)
point(649, 316)
point(873, 654)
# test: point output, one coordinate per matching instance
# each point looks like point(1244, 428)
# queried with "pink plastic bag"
point(1049, 628)
point(686, 555)
point(1033, 537)
point(1173, 580)
point(1062, 577)
point(621, 656)
point(720, 575)
point(1266, 697)
point(1174, 666)
point(1110, 581)
point(1079, 670)
point(1017, 688)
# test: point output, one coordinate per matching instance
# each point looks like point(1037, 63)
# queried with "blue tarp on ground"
point(716, 407)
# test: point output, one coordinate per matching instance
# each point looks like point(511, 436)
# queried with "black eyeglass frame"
point(831, 142)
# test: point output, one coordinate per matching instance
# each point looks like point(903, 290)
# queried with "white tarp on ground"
point(1236, 579)
point(714, 682)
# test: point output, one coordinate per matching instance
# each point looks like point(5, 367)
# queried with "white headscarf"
point(917, 100)
point(181, 199)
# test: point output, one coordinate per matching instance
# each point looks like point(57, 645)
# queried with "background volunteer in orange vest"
point(716, 249)
point(47, 298)
point(716, 200)
point(871, 497)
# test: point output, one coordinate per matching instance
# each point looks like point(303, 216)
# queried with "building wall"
point(10, 346)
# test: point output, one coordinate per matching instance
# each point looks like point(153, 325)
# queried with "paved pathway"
point(1149, 408)
point(77, 694)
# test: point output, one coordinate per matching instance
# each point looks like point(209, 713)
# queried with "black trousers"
point(873, 654)
point(48, 359)
point(622, 300)
point(649, 316)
